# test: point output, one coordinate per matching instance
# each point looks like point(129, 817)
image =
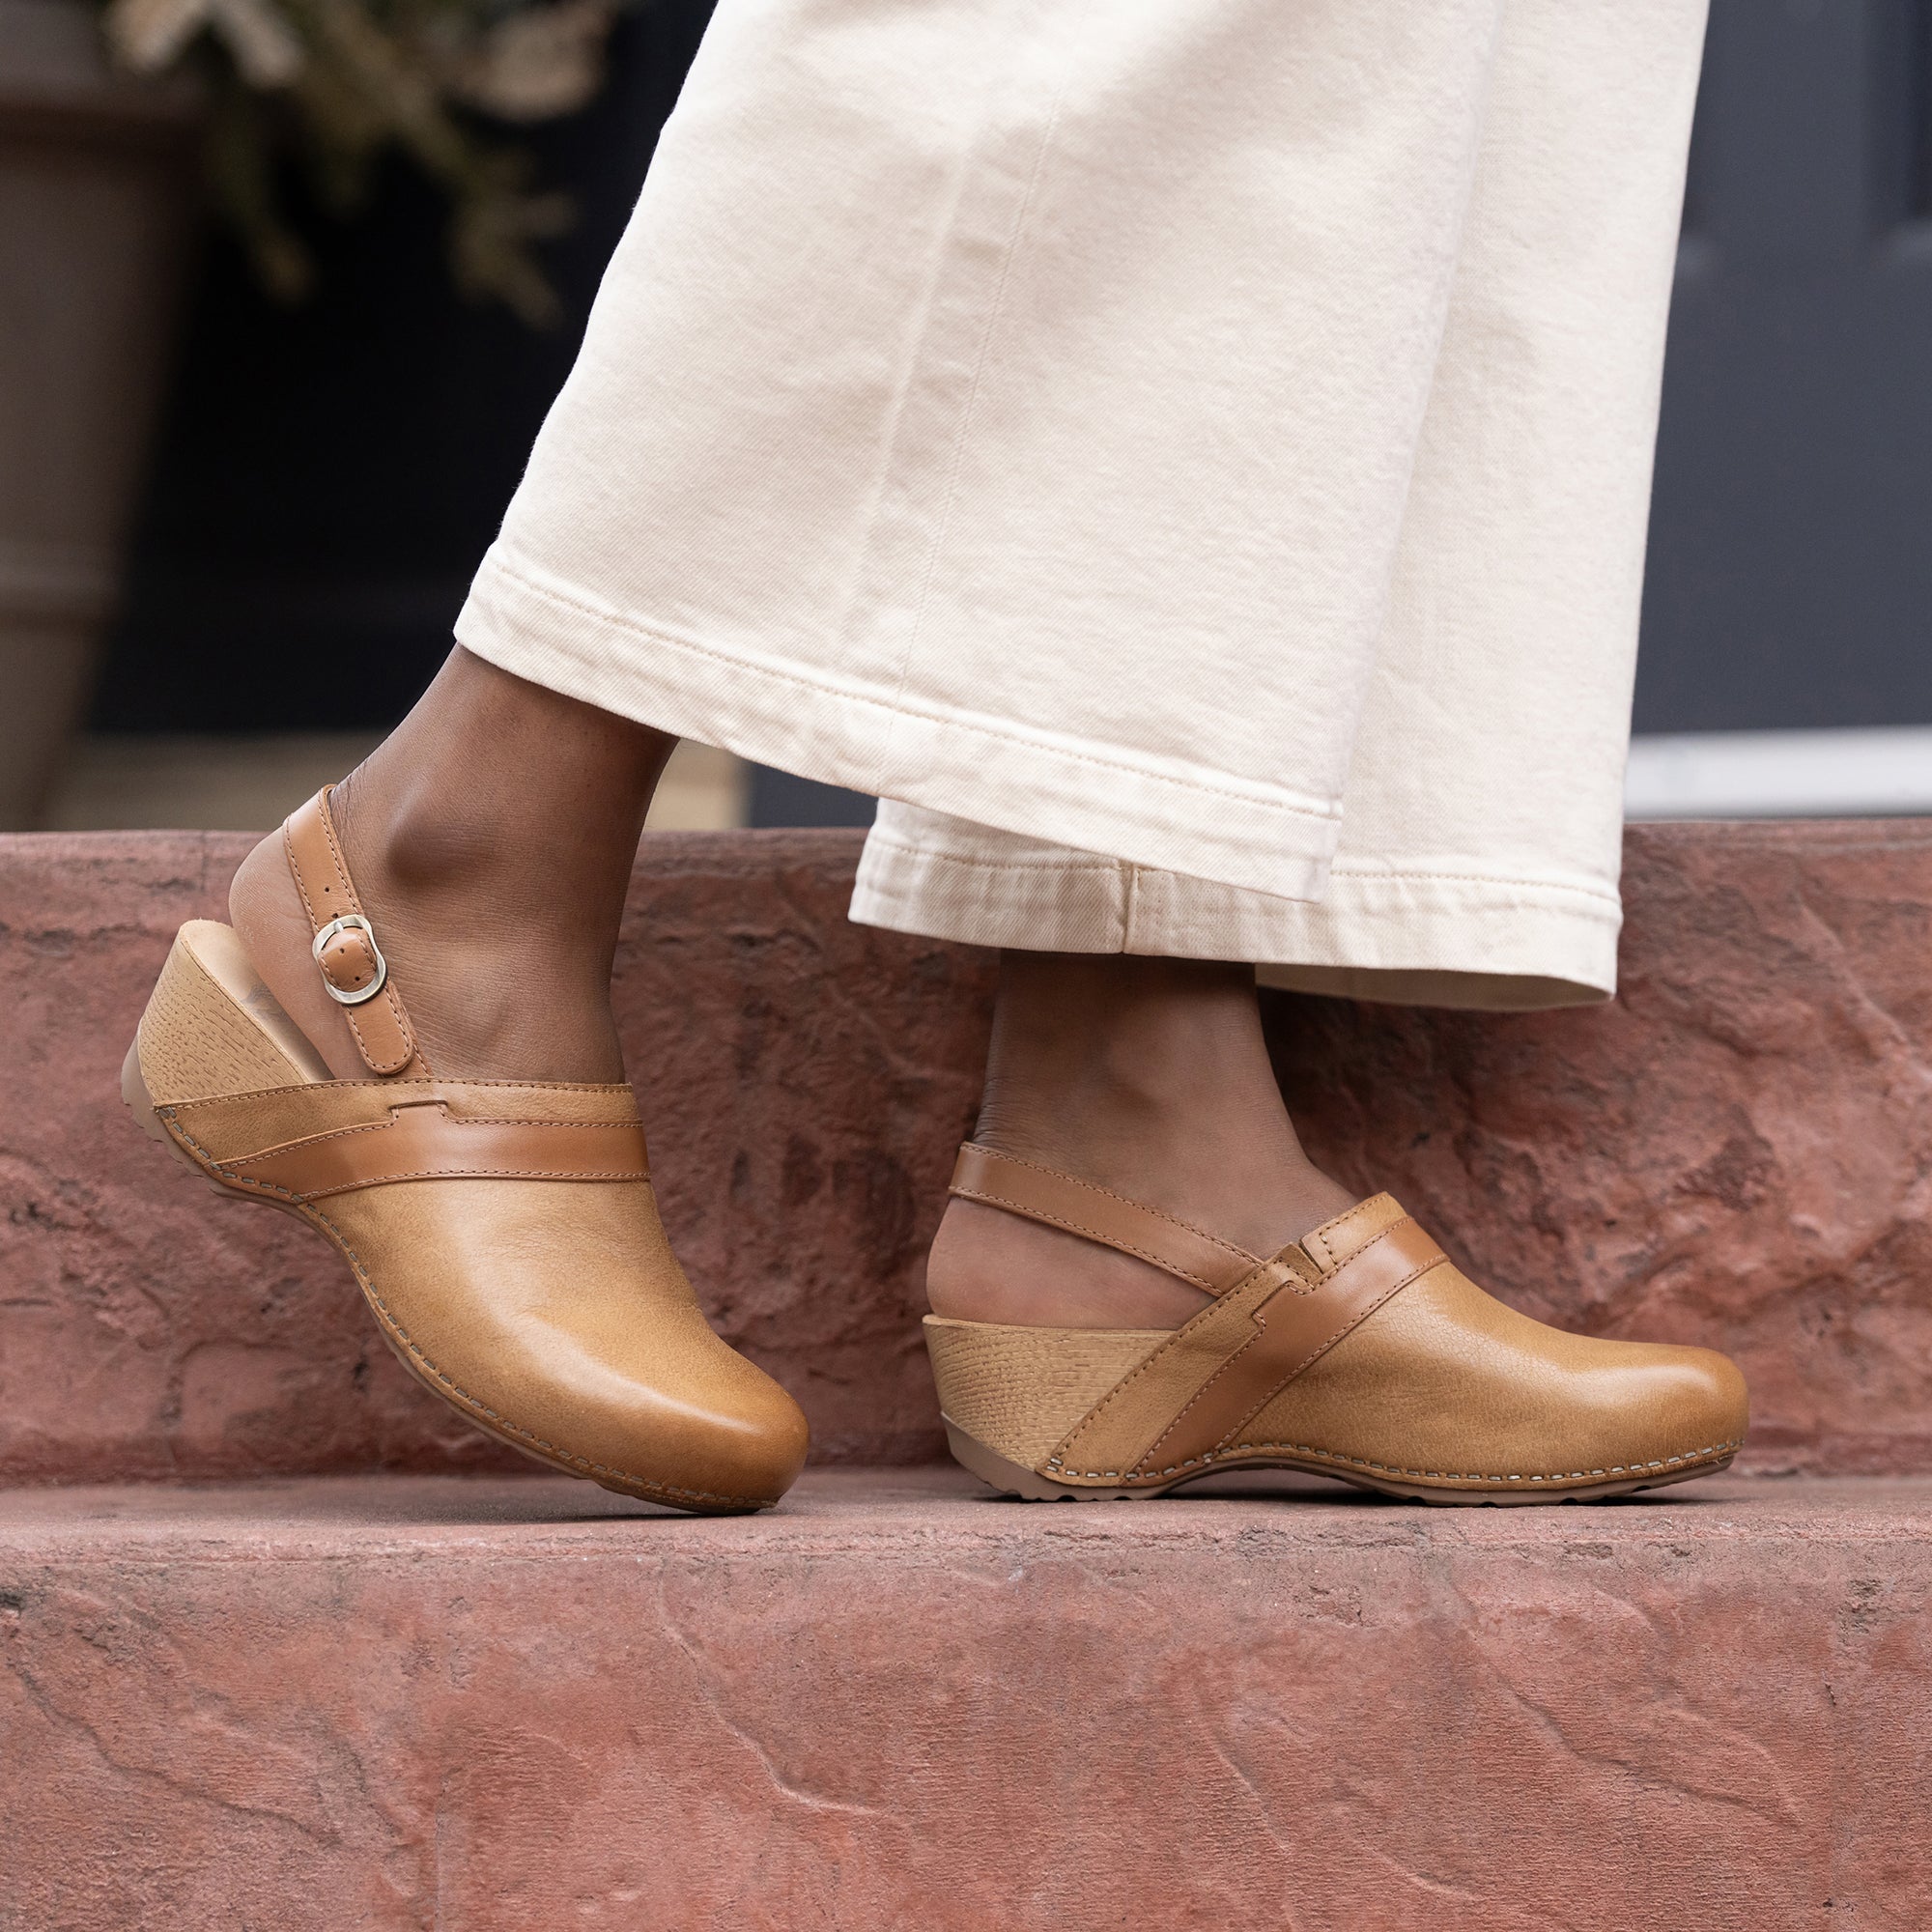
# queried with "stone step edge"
point(394, 1701)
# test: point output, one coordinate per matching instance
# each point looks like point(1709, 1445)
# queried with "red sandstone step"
point(502, 1704)
point(1734, 1153)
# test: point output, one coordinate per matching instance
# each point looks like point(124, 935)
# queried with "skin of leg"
point(491, 838)
point(1149, 1076)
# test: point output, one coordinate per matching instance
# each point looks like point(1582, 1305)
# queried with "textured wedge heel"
point(504, 1234)
point(211, 1027)
point(1009, 1396)
point(1359, 1351)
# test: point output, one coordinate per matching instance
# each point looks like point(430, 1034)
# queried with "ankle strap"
point(354, 972)
point(1099, 1214)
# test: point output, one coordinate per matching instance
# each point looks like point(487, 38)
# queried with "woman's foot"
point(1362, 1351)
point(1148, 1076)
point(491, 836)
point(505, 1236)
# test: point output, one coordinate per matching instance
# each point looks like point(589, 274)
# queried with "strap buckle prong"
point(350, 921)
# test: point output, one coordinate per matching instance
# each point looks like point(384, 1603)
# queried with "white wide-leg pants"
point(1189, 458)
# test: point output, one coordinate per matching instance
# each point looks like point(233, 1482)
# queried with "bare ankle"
point(1152, 1076)
point(1146, 1076)
point(491, 840)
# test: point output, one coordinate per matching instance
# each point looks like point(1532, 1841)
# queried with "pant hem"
point(1089, 797)
point(1445, 936)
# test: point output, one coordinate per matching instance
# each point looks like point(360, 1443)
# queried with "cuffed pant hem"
point(1419, 938)
point(770, 710)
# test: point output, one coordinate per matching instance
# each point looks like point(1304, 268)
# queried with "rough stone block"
point(1734, 1153)
point(397, 1702)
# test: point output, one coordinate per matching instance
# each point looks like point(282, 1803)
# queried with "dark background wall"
point(330, 475)
point(1790, 531)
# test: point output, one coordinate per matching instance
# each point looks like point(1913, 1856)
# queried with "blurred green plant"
point(340, 83)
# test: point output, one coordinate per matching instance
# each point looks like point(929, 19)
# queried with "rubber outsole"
point(1009, 1479)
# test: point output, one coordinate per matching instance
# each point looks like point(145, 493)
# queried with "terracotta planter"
point(95, 201)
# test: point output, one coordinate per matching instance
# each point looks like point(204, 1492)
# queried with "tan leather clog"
point(1359, 1351)
point(504, 1232)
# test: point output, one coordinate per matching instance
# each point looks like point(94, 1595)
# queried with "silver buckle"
point(361, 924)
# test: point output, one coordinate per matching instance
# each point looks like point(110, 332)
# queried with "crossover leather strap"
point(1039, 1193)
point(417, 1140)
point(1191, 1399)
point(352, 963)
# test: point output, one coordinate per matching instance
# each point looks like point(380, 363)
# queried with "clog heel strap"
point(355, 974)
